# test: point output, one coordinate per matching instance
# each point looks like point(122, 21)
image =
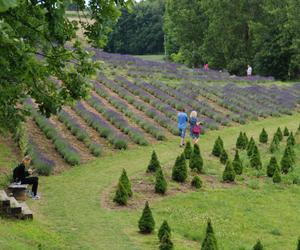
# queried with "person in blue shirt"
point(182, 124)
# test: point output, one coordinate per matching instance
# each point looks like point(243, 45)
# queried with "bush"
point(218, 146)
point(241, 142)
point(166, 243)
point(188, 150)
point(228, 174)
point(263, 137)
point(210, 241)
point(286, 162)
point(146, 222)
point(272, 166)
point(255, 161)
point(279, 134)
point(274, 144)
point(154, 164)
point(223, 156)
point(179, 172)
point(121, 196)
point(291, 140)
point(298, 245)
point(276, 176)
point(286, 132)
point(164, 228)
point(196, 182)
point(125, 182)
point(196, 161)
point(246, 140)
point(250, 147)
point(237, 164)
point(258, 246)
point(160, 182)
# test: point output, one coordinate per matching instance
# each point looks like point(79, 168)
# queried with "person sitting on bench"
point(20, 174)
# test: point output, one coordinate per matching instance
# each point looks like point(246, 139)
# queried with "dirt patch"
point(143, 190)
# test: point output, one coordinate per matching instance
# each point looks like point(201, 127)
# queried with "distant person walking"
point(20, 174)
point(182, 123)
point(249, 71)
point(206, 68)
point(195, 128)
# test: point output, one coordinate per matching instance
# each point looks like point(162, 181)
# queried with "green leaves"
point(6, 4)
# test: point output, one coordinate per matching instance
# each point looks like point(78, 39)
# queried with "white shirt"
point(249, 71)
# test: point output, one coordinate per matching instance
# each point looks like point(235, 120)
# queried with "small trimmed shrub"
point(126, 182)
point(291, 152)
point(228, 174)
point(279, 134)
point(286, 132)
point(196, 161)
point(166, 243)
point(298, 245)
point(121, 196)
point(146, 222)
point(154, 164)
point(237, 164)
point(250, 146)
point(274, 144)
point(160, 182)
point(188, 150)
point(272, 166)
point(255, 161)
point(217, 149)
point(240, 142)
point(258, 246)
point(286, 162)
point(196, 182)
point(291, 139)
point(223, 156)
point(276, 176)
point(263, 137)
point(179, 172)
point(210, 241)
point(164, 228)
point(246, 140)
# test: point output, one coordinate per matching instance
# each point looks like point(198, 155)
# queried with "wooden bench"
point(18, 191)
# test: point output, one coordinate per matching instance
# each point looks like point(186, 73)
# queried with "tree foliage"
point(140, 30)
point(196, 161)
point(210, 241)
point(154, 164)
point(146, 222)
point(41, 57)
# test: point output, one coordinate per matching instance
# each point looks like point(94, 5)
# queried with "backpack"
point(196, 129)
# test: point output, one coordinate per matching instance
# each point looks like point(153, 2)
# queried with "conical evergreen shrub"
point(286, 132)
point(246, 140)
point(263, 137)
point(121, 196)
point(255, 161)
point(210, 241)
point(228, 174)
point(237, 164)
point(166, 243)
point(179, 172)
point(286, 162)
point(154, 163)
point(276, 176)
point(146, 222)
point(196, 182)
point(160, 182)
point(240, 142)
point(291, 139)
point(250, 146)
point(188, 150)
point(196, 161)
point(258, 246)
point(272, 166)
point(223, 156)
point(164, 228)
point(279, 134)
point(126, 182)
point(274, 144)
point(298, 245)
point(218, 146)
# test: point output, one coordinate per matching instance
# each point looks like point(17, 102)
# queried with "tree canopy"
point(40, 56)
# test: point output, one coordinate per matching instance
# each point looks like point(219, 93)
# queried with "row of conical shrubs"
point(146, 225)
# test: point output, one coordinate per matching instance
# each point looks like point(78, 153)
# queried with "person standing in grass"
point(249, 71)
point(195, 128)
point(182, 122)
point(20, 174)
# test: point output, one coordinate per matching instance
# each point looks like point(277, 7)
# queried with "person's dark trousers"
point(34, 181)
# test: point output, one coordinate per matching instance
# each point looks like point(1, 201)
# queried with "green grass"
point(156, 58)
point(70, 215)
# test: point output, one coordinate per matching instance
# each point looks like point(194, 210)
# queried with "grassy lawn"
point(70, 214)
point(157, 58)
